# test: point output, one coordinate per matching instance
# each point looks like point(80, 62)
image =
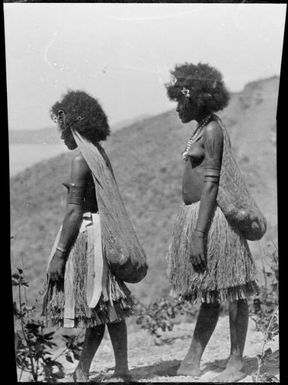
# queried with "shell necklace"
point(194, 135)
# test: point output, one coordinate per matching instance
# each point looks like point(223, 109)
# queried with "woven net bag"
point(125, 255)
point(233, 197)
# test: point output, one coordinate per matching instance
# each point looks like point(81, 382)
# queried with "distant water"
point(22, 156)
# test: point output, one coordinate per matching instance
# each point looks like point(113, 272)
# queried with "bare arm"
point(73, 216)
point(213, 146)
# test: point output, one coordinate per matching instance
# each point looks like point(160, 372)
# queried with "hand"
point(57, 267)
point(197, 251)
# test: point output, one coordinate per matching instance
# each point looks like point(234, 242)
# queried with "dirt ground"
point(159, 363)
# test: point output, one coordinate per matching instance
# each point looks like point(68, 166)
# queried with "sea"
point(22, 156)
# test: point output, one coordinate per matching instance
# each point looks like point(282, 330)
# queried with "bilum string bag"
point(234, 199)
point(125, 256)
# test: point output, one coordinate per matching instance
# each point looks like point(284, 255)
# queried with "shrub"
point(162, 314)
point(265, 314)
point(33, 343)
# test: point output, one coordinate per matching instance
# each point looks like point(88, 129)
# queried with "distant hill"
point(146, 157)
point(46, 135)
point(50, 135)
point(128, 122)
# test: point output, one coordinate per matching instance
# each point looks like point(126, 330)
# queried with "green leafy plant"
point(265, 314)
point(161, 315)
point(33, 344)
point(73, 348)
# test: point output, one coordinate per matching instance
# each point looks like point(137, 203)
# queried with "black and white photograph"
point(143, 190)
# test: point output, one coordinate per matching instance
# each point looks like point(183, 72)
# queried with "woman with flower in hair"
point(96, 248)
point(209, 258)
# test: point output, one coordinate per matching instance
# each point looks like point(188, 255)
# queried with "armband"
point(75, 194)
point(211, 175)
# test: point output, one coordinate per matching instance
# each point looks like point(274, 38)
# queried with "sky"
point(122, 53)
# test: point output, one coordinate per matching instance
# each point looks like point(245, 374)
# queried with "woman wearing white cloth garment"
point(93, 252)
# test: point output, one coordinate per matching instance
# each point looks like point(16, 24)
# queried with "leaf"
point(69, 338)
point(49, 344)
point(46, 353)
point(259, 358)
point(65, 336)
point(15, 276)
point(60, 373)
point(80, 344)
point(32, 326)
point(69, 358)
point(49, 336)
point(76, 356)
point(267, 353)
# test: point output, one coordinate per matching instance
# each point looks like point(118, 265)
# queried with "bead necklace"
point(194, 135)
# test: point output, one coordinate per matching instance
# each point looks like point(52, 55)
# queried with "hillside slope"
point(146, 157)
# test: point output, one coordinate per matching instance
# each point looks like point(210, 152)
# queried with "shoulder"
point(213, 129)
point(213, 139)
point(79, 168)
point(78, 162)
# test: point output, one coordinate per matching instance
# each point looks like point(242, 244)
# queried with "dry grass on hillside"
point(146, 157)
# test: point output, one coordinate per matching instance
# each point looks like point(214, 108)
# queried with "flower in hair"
point(185, 92)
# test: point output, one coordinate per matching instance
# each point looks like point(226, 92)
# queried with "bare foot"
point(124, 376)
point(223, 365)
point(230, 374)
point(189, 369)
point(80, 376)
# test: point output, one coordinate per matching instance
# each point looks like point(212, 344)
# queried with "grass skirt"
point(115, 302)
point(230, 272)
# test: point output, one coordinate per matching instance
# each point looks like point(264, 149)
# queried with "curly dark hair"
point(201, 85)
point(81, 111)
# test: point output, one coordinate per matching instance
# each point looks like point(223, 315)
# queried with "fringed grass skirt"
point(115, 302)
point(230, 272)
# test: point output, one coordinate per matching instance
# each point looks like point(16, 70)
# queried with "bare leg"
point(238, 317)
point(92, 340)
point(206, 322)
point(118, 335)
